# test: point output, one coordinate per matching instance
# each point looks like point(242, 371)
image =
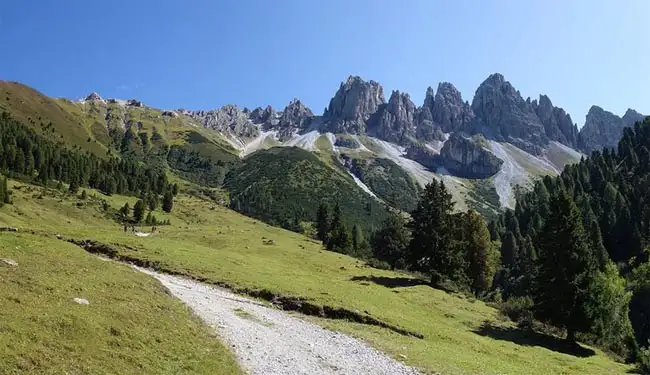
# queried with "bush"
point(643, 360)
point(380, 264)
point(519, 310)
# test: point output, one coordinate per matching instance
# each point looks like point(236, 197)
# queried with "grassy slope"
point(131, 325)
point(213, 242)
point(33, 108)
point(84, 124)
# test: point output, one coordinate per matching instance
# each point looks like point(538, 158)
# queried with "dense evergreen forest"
point(36, 158)
point(572, 255)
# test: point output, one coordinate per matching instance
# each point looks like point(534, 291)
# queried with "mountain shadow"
point(532, 338)
point(391, 282)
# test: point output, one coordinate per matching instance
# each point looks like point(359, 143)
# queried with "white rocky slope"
point(519, 167)
point(268, 341)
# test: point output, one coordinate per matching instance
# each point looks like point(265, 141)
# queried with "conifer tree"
point(432, 247)
point(391, 241)
point(566, 268)
point(125, 210)
point(168, 202)
point(339, 237)
point(322, 223)
point(483, 256)
point(138, 210)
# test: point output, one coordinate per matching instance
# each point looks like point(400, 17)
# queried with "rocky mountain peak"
point(631, 116)
point(296, 115)
point(558, 125)
point(502, 113)
point(602, 129)
point(94, 97)
point(227, 119)
point(395, 121)
point(449, 110)
point(353, 104)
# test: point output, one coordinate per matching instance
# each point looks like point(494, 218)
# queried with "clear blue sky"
point(202, 54)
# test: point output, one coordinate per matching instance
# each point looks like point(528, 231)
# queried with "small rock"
point(403, 356)
point(10, 262)
point(81, 301)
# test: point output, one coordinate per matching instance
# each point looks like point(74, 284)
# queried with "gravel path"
point(270, 341)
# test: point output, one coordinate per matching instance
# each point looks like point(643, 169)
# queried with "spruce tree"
point(391, 241)
point(125, 210)
point(566, 268)
point(3, 191)
point(339, 237)
point(432, 248)
point(138, 210)
point(168, 202)
point(322, 223)
point(483, 255)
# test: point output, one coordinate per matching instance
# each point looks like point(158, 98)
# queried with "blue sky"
point(203, 54)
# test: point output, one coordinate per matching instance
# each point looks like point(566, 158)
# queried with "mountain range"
point(384, 150)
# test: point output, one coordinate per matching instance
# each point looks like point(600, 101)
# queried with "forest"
point(571, 258)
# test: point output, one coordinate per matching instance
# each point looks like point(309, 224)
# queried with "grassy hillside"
point(100, 128)
point(461, 336)
point(390, 182)
point(285, 185)
point(131, 324)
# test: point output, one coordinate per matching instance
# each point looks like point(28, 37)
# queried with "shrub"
point(519, 310)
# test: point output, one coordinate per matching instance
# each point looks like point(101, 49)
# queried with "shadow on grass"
point(391, 282)
point(532, 338)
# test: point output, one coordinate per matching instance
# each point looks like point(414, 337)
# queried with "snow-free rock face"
point(296, 115)
point(228, 118)
point(425, 129)
point(557, 123)
point(502, 114)
point(94, 97)
point(465, 157)
point(449, 110)
point(601, 129)
point(395, 120)
point(631, 117)
point(352, 105)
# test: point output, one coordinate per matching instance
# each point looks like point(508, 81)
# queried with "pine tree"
point(168, 202)
point(3, 191)
point(74, 187)
point(84, 195)
point(482, 254)
point(339, 237)
point(357, 237)
point(138, 210)
point(149, 219)
point(432, 247)
point(322, 223)
point(391, 241)
point(125, 210)
point(152, 201)
point(566, 268)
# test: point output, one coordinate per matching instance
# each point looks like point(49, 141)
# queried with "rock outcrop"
point(558, 125)
point(449, 110)
point(296, 115)
point(94, 97)
point(228, 118)
point(395, 120)
point(465, 157)
point(264, 116)
point(602, 129)
point(352, 105)
point(170, 114)
point(631, 117)
point(134, 103)
point(502, 114)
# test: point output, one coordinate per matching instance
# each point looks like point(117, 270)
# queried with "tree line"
point(574, 253)
point(26, 155)
point(578, 246)
point(453, 249)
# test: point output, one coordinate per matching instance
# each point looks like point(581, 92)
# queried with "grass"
point(131, 325)
point(218, 244)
